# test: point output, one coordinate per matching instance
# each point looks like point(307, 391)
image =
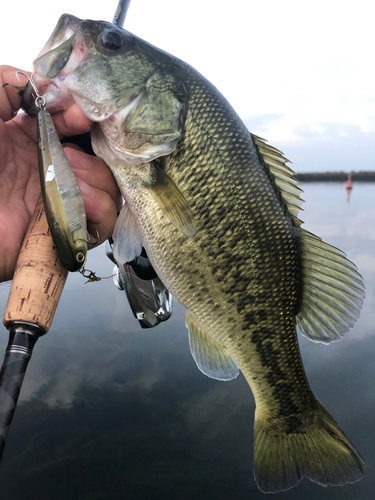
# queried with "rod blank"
point(121, 11)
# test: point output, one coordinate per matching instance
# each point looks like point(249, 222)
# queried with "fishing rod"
point(36, 289)
point(38, 282)
point(121, 11)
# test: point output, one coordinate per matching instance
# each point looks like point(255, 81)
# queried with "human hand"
point(19, 176)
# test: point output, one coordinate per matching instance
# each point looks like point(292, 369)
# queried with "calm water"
point(109, 411)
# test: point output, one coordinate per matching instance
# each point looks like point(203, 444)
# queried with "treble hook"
point(40, 101)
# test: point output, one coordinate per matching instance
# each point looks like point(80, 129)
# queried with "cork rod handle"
point(39, 277)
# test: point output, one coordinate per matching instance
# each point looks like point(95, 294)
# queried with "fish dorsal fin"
point(212, 358)
point(282, 175)
point(333, 291)
point(127, 238)
point(169, 197)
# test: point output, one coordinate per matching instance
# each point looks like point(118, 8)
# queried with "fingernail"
point(77, 156)
point(71, 145)
point(86, 189)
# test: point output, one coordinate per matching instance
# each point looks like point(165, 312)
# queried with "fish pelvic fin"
point(319, 450)
point(333, 291)
point(127, 237)
point(211, 358)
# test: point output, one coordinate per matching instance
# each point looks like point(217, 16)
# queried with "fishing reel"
point(149, 300)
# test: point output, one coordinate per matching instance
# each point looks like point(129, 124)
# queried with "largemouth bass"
point(216, 209)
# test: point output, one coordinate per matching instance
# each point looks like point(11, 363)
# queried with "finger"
point(68, 123)
point(101, 212)
point(94, 172)
point(10, 100)
point(100, 193)
point(71, 121)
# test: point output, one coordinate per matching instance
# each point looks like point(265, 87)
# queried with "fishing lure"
point(62, 197)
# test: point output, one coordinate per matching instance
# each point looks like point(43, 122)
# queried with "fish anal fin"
point(211, 358)
point(318, 450)
point(333, 291)
point(169, 197)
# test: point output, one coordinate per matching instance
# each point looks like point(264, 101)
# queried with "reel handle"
point(39, 277)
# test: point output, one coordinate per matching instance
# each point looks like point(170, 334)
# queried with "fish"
point(62, 198)
point(217, 210)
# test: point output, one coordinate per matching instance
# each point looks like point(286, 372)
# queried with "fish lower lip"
point(49, 90)
point(44, 88)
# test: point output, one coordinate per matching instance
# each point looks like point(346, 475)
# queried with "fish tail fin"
point(318, 450)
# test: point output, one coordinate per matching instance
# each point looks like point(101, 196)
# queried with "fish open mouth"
point(63, 73)
point(66, 27)
point(59, 58)
point(55, 60)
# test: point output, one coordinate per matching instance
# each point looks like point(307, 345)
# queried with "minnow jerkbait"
point(62, 198)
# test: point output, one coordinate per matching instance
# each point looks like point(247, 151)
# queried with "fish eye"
point(80, 257)
point(111, 40)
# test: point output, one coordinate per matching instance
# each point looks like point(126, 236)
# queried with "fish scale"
point(260, 257)
point(216, 209)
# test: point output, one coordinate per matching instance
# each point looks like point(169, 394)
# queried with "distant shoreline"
point(335, 176)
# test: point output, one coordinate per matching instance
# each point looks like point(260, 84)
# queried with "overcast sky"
point(300, 74)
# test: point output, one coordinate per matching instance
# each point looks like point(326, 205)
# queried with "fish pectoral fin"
point(169, 197)
point(211, 358)
point(333, 291)
point(127, 238)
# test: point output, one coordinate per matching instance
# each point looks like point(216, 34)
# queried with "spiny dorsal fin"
point(171, 200)
point(333, 291)
point(283, 176)
point(212, 358)
point(127, 238)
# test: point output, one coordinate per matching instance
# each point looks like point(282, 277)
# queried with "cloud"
point(261, 123)
point(319, 145)
point(335, 147)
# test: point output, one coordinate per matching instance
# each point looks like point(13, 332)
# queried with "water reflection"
point(349, 187)
point(110, 411)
